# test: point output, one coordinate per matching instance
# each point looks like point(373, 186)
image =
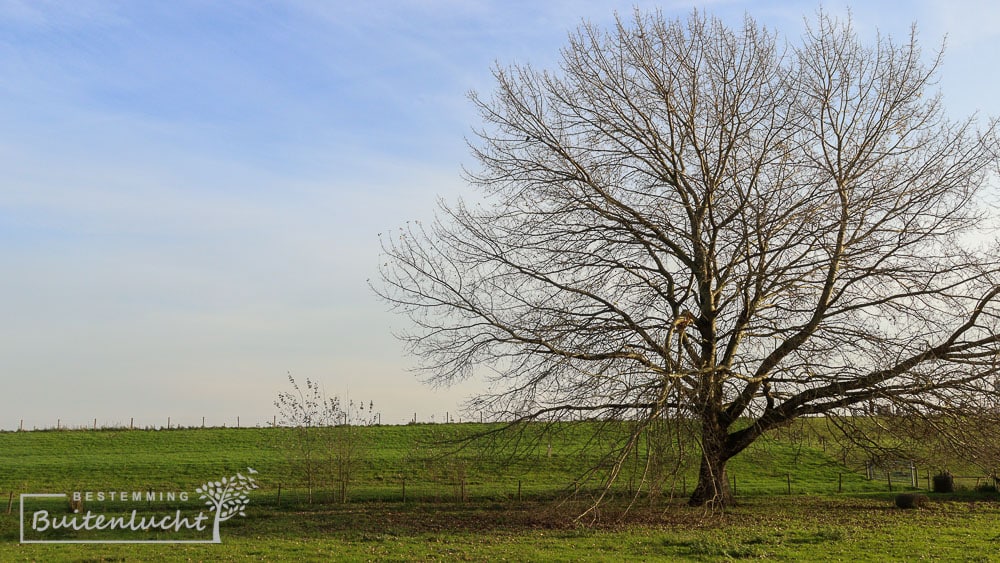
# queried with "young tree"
point(694, 222)
point(310, 414)
point(328, 444)
point(348, 448)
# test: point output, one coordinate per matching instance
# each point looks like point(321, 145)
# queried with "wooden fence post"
point(10, 501)
point(840, 482)
point(788, 480)
point(404, 489)
point(279, 494)
point(518, 490)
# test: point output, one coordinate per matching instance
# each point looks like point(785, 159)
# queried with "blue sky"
point(192, 191)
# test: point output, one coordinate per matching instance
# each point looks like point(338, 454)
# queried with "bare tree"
point(348, 446)
point(310, 414)
point(327, 443)
point(710, 224)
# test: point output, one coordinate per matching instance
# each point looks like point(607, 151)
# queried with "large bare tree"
point(695, 221)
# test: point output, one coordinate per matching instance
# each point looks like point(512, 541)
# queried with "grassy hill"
point(492, 522)
point(429, 457)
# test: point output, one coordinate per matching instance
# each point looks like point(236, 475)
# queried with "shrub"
point(944, 483)
point(911, 500)
point(988, 486)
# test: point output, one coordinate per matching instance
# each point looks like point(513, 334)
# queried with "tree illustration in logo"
point(228, 497)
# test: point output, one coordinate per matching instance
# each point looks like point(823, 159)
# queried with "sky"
point(192, 192)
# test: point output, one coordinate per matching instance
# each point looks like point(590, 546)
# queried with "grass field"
point(815, 522)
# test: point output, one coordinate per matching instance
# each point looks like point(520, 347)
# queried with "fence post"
point(168, 423)
point(95, 424)
point(10, 501)
point(131, 423)
point(21, 427)
point(840, 482)
point(279, 495)
point(404, 489)
point(734, 484)
point(518, 490)
point(58, 424)
point(888, 477)
point(202, 422)
point(788, 480)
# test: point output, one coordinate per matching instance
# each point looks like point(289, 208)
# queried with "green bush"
point(944, 483)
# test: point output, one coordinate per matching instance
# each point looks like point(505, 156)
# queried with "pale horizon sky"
point(193, 191)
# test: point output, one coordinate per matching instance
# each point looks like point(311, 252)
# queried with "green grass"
point(424, 455)
point(813, 523)
point(797, 528)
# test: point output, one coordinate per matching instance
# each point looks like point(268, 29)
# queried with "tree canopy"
point(691, 220)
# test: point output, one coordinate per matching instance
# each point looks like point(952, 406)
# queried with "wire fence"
point(279, 493)
point(174, 423)
point(170, 423)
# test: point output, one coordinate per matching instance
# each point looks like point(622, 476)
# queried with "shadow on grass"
point(375, 519)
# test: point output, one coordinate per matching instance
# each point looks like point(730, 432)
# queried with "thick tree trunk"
point(713, 485)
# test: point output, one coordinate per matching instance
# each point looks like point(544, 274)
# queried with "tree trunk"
point(713, 485)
